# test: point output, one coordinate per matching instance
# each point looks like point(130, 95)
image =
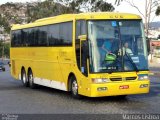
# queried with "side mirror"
point(82, 37)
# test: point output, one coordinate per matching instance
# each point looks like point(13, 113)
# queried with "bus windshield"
point(117, 46)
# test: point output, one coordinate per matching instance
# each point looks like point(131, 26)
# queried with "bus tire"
point(31, 79)
point(24, 78)
point(74, 87)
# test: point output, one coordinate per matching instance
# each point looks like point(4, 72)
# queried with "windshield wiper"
point(133, 64)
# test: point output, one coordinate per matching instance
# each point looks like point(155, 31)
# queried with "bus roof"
point(71, 17)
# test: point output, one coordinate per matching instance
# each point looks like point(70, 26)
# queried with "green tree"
point(6, 51)
point(1, 48)
point(101, 5)
point(4, 23)
point(86, 5)
point(40, 10)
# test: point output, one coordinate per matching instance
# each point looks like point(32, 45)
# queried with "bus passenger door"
point(81, 45)
point(83, 56)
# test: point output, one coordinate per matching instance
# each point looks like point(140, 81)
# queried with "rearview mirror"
point(82, 37)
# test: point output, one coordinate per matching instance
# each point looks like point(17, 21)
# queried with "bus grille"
point(116, 79)
point(131, 78)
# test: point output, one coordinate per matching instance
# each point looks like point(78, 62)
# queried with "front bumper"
point(115, 88)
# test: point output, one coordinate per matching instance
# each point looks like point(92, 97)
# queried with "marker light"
point(101, 88)
point(143, 85)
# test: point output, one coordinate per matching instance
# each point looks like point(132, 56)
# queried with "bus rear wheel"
point(31, 79)
point(24, 78)
point(74, 88)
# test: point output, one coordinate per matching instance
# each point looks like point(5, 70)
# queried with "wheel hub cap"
point(74, 87)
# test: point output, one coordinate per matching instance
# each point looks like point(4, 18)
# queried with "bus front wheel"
point(74, 88)
point(31, 79)
point(24, 78)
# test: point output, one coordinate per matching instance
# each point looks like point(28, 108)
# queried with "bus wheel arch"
point(24, 77)
point(69, 81)
point(73, 85)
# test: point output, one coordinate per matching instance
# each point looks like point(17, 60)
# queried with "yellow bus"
point(89, 54)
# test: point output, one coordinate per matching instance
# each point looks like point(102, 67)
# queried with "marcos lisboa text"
point(141, 116)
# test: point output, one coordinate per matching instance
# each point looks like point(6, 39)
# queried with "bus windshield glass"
point(117, 46)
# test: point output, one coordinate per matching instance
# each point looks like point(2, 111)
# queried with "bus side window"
point(42, 33)
point(66, 33)
point(16, 38)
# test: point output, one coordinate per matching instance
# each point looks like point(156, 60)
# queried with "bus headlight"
point(143, 77)
point(99, 80)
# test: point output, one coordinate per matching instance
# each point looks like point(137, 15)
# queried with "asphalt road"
point(16, 99)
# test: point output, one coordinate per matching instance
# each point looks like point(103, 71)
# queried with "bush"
point(6, 49)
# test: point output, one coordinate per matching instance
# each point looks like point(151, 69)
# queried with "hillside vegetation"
point(18, 13)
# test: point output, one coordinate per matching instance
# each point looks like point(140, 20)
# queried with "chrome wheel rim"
point(74, 87)
point(30, 78)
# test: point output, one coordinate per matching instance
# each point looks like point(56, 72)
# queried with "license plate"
point(124, 87)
